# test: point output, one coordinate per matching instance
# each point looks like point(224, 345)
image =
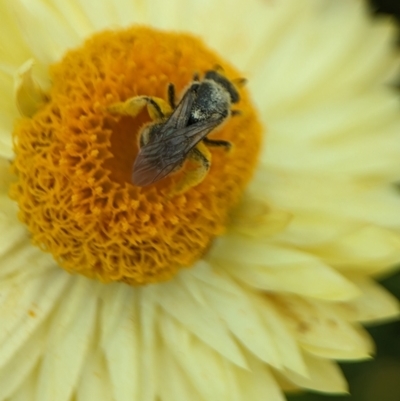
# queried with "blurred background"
point(378, 379)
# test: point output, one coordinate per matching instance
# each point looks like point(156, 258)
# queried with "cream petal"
point(101, 15)
point(13, 51)
point(254, 217)
point(324, 375)
point(28, 95)
point(319, 330)
point(236, 311)
point(94, 383)
point(8, 114)
point(178, 302)
point(149, 344)
point(375, 305)
point(53, 36)
point(120, 341)
point(258, 383)
point(207, 370)
point(333, 139)
point(272, 267)
point(27, 390)
point(69, 338)
point(73, 15)
point(24, 361)
point(129, 12)
point(328, 60)
point(285, 343)
point(333, 136)
point(256, 326)
point(370, 249)
point(6, 151)
point(25, 303)
point(173, 382)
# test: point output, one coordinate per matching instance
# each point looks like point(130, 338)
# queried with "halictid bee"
point(179, 132)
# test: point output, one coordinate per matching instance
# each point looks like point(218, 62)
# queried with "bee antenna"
point(218, 68)
point(240, 82)
point(236, 113)
point(196, 77)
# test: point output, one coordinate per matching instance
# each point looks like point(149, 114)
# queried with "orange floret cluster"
point(74, 162)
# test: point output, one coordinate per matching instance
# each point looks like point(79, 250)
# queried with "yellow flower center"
point(74, 162)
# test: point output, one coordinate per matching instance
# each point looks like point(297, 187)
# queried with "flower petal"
point(375, 305)
point(179, 303)
point(323, 376)
point(276, 268)
point(24, 361)
point(120, 332)
point(320, 331)
point(26, 302)
point(68, 344)
point(94, 382)
point(256, 326)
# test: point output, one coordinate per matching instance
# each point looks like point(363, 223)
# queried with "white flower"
point(283, 293)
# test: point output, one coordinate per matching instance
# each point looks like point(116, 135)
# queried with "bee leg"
point(218, 143)
point(171, 96)
point(202, 157)
point(157, 108)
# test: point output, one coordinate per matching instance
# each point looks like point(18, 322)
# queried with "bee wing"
point(180, 116)
point(159, 158)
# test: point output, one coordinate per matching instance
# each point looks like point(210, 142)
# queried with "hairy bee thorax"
point(74, 157)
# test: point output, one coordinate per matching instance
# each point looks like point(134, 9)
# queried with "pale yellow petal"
point(258, 384)
point(25, 304)
point(69, 341)
point(272, 267)
point(319, 330)
point(94, 383)
point(374, 305)
point(177, 302)
point(173, 382)
point(148, 312)
point(28, 95)
point(323, 375)
point(23, 363)
point(121, 341)
point(52, 36)
point(207, 370)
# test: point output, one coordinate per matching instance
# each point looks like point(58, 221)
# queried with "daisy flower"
point(257, 277)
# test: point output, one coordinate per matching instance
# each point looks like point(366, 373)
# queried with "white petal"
point(121, 341)
point(207, 370)
point(52, 37)
point(14, 373)
point(276, 268)
point(173, 382)
point(258, 384)
point(373, 306)
point(148, 316)
point(94, 381)
point(70, 336)
point(25, 303)
point(201, 321)
point(319, 329)
point(323, 375)
point(27, 390)
point(237, 312)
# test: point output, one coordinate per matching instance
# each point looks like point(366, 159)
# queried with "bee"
point(179, 132)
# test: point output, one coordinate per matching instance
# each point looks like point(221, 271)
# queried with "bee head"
point(223, 81)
